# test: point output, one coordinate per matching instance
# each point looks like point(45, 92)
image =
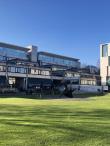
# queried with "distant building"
point(105, 64)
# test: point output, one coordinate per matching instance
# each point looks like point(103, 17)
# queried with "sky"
point(72, 28)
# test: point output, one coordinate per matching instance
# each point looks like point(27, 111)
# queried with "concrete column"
point(25, 83)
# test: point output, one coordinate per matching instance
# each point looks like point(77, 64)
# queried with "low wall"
point(86, 88)
point(90, 88)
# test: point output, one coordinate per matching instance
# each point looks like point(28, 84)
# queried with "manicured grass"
point(57, 122)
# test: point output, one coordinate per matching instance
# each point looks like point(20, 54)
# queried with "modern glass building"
point(12, 51)
point(46, 58)
point(19, 67)
point(24, 67)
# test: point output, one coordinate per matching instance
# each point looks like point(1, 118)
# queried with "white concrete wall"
point(109, 49)
point(33, 53)
point(104, 65)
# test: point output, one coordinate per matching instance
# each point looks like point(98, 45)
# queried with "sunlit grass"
point(57, 122)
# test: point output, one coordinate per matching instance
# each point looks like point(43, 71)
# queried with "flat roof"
point(58, 56)
point(15, 47)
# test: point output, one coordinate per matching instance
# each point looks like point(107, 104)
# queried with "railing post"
point(6, 74)
point(26, 80)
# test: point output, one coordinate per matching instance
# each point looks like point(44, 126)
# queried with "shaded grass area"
point(44, 96)
point(57, 122)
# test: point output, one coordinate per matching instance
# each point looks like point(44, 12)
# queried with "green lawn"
point(57, 122)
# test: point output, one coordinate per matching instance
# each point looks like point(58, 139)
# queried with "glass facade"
point(44, 72)
point(12, 53)
point(104, 50)
point(14, 69)
point(57, 61)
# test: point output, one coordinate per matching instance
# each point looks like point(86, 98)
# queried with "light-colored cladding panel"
point(100, 51)
point(103, 66)
point(103, 81)
point(33, 53)
point(104, 69)
point(109, 71)
point(109, 49)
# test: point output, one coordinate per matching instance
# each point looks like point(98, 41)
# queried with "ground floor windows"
point(12, 81)
point(44, 72)
point(69, 75)
point(35, 71)
point(88, 82)
point(39, 72)
point(2, 68)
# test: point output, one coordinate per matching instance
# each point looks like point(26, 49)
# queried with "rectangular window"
point(22, 70)
point(4, 68)
point(12, 69)
point(104, 50)
point(58, 60)
point(109, 60)
point(12, 81)
point(42, 72)
point(1, 68)
point(69, 75)
point(18, 70)
point(39, 72)
point(32, 71)
point(36, 71)
point(9, 69)
point(47, 73)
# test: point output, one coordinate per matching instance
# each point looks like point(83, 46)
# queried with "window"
point(22, 70)
point(39, 72)
point(4, 68)
point(34, 71)
point(104, 50)
point(18, 69)
point(57, 60)
point(1, 68)
point(69, 75)
point(45, 72)
point(108, 81)
point(12, 53)
point(25, 70)
point(75, 82)
point(2, 58)
point(12, 69)
point(12, 81)
point(9, 69)
point(109, 60)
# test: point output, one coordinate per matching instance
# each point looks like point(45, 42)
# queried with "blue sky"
point(67, 27)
